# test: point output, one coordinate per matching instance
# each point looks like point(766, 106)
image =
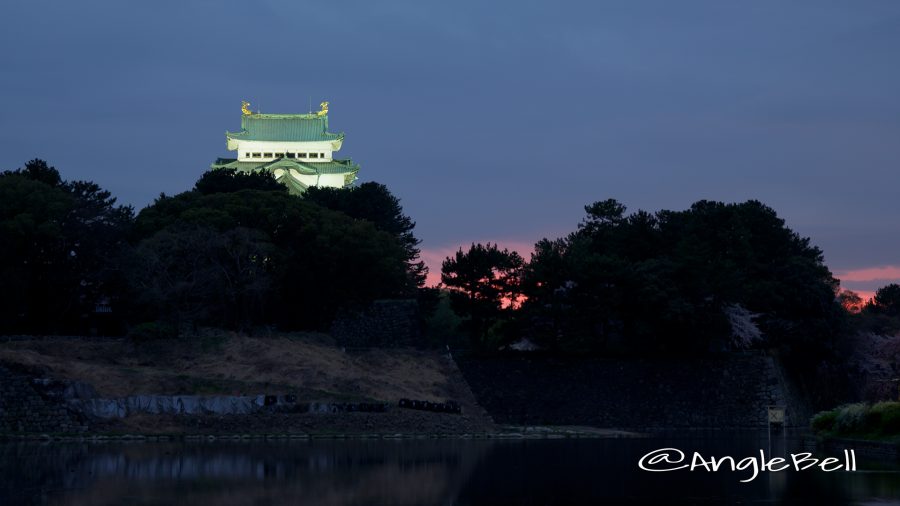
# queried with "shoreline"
point(514, 433)
point(869, 449)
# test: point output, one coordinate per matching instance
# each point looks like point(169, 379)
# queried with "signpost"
point(776, 417)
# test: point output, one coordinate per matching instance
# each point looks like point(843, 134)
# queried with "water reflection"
point(413, 472)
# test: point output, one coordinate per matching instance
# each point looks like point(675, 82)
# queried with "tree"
point(373, 202)
point(323, 261)
point(887, 300)
point(39, 170)
point(481, 280)
point(850, 301)
point(60, 241)
point(664, 282)
point(603, 214)
point(98, 229)
point(195, 275)
point(230, 180)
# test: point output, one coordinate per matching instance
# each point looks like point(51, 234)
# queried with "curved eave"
point(344, 167)
point(294, 186)
point(326, 137)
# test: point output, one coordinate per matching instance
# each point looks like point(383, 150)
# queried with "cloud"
point(882, 273)
point(866, 280)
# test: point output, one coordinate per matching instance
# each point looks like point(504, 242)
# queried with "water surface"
point(420, 472)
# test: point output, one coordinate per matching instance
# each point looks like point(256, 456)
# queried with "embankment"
point(227, 384)
point(726, 391)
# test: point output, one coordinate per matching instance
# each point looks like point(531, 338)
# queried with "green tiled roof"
point(346, 168)
point(294, 186)
point(333, 167)
point(284, 127)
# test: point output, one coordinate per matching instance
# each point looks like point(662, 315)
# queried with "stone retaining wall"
point(211, 405)
point(31, 403)
point(386, 323)
point(728, 391)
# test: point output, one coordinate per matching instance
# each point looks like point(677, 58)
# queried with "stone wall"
point(729, 391)
point(386, 323)
point(98, 408)
point(32, 403)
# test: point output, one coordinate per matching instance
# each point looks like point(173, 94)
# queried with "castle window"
point(257, 155)
point(301, 155)
point(321, 155)
point(314, 155)
point(267, 155)
point(246, 155)
point(290, 155)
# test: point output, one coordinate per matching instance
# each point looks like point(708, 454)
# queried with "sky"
point(491, 121)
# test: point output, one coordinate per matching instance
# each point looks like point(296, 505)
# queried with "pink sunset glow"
point(865, 295)
point(434, 257)
point(863, 281)
point(859, 281)
point(883, 273)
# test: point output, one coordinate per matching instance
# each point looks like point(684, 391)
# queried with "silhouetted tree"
point(373, 202)
point(39, 170)
point(663, 282)
point(198, 275)
point(231, 180)
point(480, 281)
point(60, 241)
point(323, 260)
point(887, 300)
point(850, 301)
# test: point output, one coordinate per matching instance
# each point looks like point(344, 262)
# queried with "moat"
point(422, 471)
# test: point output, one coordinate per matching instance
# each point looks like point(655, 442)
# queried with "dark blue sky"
point(490, 120)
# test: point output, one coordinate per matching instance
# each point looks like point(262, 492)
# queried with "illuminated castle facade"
point(297, 149)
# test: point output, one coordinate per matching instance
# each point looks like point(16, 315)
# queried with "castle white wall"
point(324, 148)
point(325, 180)
point(332, 180)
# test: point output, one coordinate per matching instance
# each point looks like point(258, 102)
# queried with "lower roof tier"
point(295, 174)
point(332, 167)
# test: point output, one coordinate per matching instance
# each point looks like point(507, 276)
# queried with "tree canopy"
point(373, 202)
point(60, 240)
point(662, 282)
point(230, 180)
point(887, 300)
point(235, 251)
point(480, 281)
point(315, 260)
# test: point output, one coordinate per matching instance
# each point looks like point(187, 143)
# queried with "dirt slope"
point(307, 364)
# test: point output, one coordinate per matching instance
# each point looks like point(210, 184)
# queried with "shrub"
point(888, 417)
point(850, 418)
point(824, 421)
point(881, 420)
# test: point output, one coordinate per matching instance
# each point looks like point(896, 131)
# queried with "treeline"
point(711, 278)
point(715, 276)
point(879, 315)
point(236, 251)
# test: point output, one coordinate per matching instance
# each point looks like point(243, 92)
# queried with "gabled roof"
point(294, 185)
point(284, 127)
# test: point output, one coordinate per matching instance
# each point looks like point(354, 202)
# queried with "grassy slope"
point(308, 365)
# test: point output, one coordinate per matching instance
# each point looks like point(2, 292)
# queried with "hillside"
point(309, 366)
